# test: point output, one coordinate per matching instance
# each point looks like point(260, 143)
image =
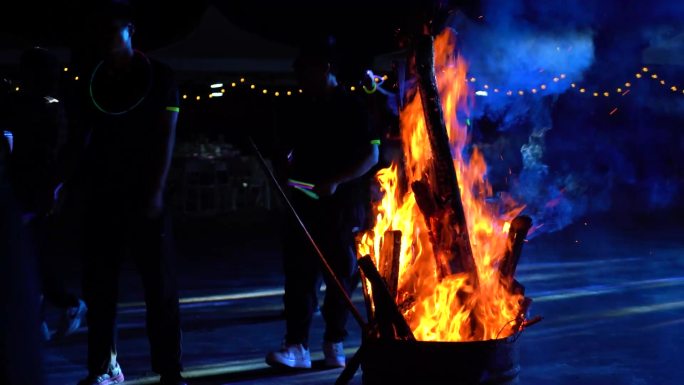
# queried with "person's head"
point(315, 66)
point(112, 29)
point(38, 71)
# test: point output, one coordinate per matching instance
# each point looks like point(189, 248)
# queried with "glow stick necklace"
point(134, 105)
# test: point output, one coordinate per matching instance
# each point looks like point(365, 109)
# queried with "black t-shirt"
point(328, 136)
point(125, 137)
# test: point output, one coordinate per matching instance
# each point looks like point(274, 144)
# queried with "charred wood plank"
point(453, 237)
point(391, 323)
point(390, 253)
point(367, 299)
point(516, 238)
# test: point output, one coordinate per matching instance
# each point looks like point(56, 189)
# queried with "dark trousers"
point(43, 231)
point(328, 223)
point(109, 234)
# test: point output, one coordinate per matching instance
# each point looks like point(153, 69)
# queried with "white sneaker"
point(291, 356)
point(71, 319)
point(334, 354)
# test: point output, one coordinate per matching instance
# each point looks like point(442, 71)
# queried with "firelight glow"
point(451, 308)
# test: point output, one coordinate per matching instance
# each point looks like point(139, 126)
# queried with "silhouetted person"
point(330, 145)
point(130, 112)
point(20, 358)
point(35, 121)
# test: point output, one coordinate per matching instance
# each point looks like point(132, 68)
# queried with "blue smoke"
point(562, 155)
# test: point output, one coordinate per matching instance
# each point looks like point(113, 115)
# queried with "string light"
point(379, 79)
point(198, 97)
point(75, 77)
point(16, 88)
point(66, 69)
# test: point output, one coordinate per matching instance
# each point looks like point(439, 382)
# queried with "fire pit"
point(438, 265)
point(432, 363)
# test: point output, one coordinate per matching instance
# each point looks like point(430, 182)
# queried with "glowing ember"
point(446, 308)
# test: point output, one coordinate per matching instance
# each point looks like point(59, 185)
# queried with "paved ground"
point(611, 290)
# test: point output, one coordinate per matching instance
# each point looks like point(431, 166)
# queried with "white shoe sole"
point(287, 363)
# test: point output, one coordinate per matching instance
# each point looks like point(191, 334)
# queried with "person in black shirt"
point(330, 149)
point(35, 120)
point(130, 112)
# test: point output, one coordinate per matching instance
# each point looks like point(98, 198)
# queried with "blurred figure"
point(129, 112)
point(19, 319)
point(329, 148)
point(35, 128)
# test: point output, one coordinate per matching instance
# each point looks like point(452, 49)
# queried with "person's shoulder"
point(161, 69)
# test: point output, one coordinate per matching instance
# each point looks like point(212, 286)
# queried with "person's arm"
point(366, 162)
point(167, 139)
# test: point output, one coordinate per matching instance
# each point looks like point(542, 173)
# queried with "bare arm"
point(359, 169)
point(162, 165)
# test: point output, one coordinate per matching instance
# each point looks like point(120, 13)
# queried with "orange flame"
point(448, 309)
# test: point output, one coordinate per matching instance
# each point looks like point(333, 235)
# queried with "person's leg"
point(302, 271)
point(152, 252)
point(50, 270)
point(102, 254)
point(340, 250)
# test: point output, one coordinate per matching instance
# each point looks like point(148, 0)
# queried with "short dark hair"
point(112, 10)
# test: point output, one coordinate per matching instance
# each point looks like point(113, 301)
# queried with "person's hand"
point(155, 206)
point(58, 198)
point(325, 189)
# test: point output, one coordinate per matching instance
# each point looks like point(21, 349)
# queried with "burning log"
point(391, 323)
point(390, 253)
point(516, 238)
point(453, 237)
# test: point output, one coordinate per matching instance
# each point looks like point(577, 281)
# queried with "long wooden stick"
point(452, 238)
